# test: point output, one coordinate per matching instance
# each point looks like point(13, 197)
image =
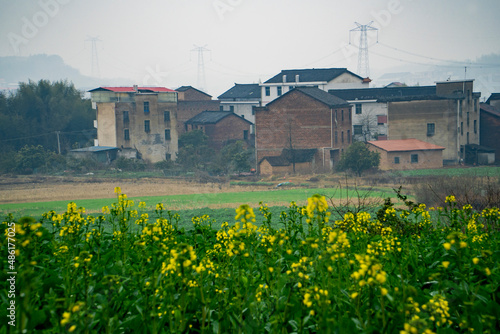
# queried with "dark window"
point(348, 136)
point(336, 137)
point(396, 160)
point(462, 128)
point(358, 108)
point(467, 119)
point(431, 129)
point(245, 134)
point(146, 126)
point(350, 117)
point(167, 134)
point(126, 134)
point(146, 107)
point(166, 116)
point(253, 111)
point(414, 158)
point(475, 126)
point(467, 138)
point(290, 88)
point(358, 129)
point(475, 105)
point(168, 156)
point(342, 117)
point(125, 116)
point(231, 108)
point(342, 137)
point(335, 116)
point(279, 90)
point(268, 91)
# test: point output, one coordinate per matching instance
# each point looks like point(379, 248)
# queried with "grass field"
point(492, 171)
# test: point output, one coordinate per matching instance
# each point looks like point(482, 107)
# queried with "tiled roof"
point(400, 145)
point(383, 93)
point(131, 89)
point(310, 75)
point(493, 96)
point(185, 88)
point(489, 109)
point(242, 91)
point(212, 117)
point(320, 95)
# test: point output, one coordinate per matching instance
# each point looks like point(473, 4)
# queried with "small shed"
point(303, 159)
point(103, 154)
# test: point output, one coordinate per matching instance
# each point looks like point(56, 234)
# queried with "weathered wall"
point(106, 129)
point(426, 159)
point(188, 109)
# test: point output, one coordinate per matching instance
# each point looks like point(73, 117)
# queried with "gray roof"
point(493, 96)
point(310, 75)
point(383, 93)
point(185, 88)
point(95, 149)
point(320, 95)
point(212, 117)
point(242, 91)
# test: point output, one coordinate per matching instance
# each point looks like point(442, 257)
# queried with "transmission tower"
point(201, 67)
point(95, 61)
point(363, 64)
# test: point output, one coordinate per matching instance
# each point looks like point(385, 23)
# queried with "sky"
point(157, 42)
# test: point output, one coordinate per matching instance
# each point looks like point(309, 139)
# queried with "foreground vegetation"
point(395, 271)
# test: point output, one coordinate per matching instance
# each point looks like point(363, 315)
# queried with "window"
point(358, 108)
point(279, 90)
point(358, 130)
point(381, 119)
point(146, 107)
point(475, 126)
point(336, 137)
point(125, 116)
point(221, 108)
point(475, 105)
point(431, 129)
point(342, 137)
point(414, 158)
point(459, 108)
point(268, 91)
point(348, 136)
point(146, 126)
point(467, 119)
point(396, 160)
point(342, 113)
point(253, 111)
point(290, 88)
point(350, 114)
point(166, 116)
point(168, 156)
point(462, 128)
point(245, 134)
point(167, 134)
point(467, 138)
point(126, 134)
point(231, 108)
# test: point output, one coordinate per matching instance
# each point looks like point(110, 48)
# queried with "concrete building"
point(222, 128)
point(241, 99)
point(407, 154)
point(140, 121)
point(191, 102)
point(303, 118)
point(322, 78)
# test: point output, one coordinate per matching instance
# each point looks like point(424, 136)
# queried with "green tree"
point(358, 158)
point(194, 152)
point(234, 157)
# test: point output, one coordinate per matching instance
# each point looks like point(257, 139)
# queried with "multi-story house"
point(322, 78)
point(241, 99)
point(305, 126)
point(140, 121)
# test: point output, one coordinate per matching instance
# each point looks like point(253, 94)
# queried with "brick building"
point(489, 125)
point(241, 99)
point(303, 118)
point(191, 102)
point(407, 154)
point(221, 127)
point(140, 121)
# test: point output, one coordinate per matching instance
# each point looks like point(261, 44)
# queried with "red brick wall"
point(229, 129)
point(307, 120)
point(193, 95)
point(188, 109)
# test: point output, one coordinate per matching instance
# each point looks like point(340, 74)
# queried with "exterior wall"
point(346, 81)
point(409, 119)
point(106, 128)
point(227, 130)
point(193, 95)
point(265, 168)
point(308, 122)
point(490, 132)
point(152, 145)
point(241, 108)
point(368, 119)
point(426, 159)
point(188, 109)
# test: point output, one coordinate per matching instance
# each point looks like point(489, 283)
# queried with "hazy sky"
point(150, 41)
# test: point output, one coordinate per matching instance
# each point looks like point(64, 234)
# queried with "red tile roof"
point(131, 89)
point(404, 145)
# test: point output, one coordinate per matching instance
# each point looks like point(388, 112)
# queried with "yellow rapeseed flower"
point(446, 264)
point(447, 245)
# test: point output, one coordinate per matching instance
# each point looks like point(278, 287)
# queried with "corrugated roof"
point(490, 109)
point(132, 90)
point(398, 145)
point(310, 75)
point(212, 117)
point(242, 91)
point(383, 93)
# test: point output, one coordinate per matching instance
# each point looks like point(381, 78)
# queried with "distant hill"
point(49, 67)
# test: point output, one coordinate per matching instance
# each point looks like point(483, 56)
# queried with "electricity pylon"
point(363, 63)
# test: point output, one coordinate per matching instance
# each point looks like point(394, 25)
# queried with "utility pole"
point(201, 67)
point(58, 142)
point(363, 64)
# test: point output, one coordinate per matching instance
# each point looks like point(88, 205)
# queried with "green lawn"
point(189, 202)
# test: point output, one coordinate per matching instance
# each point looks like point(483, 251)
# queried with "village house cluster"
point(303, 120)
